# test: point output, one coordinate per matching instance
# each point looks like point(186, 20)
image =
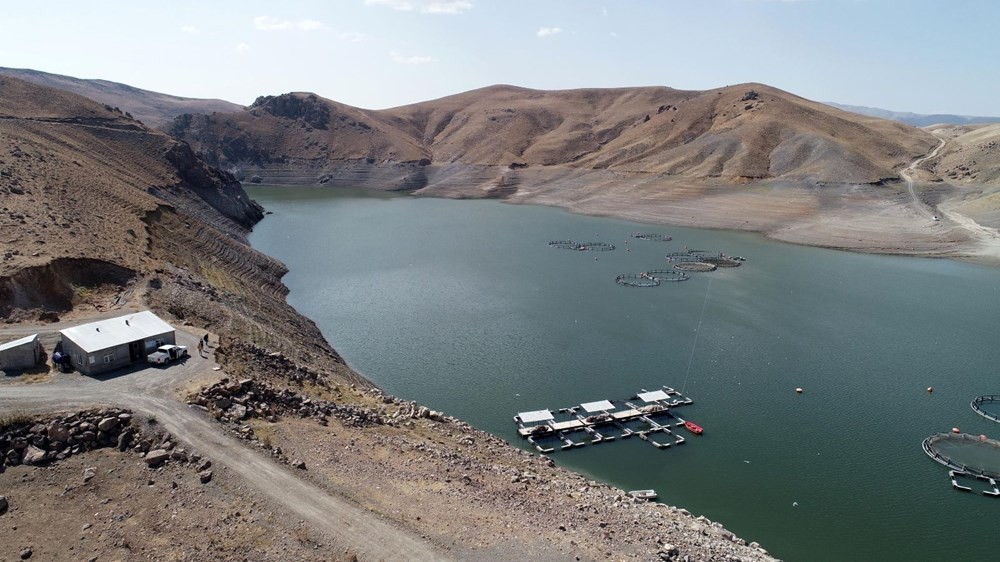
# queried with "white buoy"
point(955, 430)
point(799, 390)
point(930, 389)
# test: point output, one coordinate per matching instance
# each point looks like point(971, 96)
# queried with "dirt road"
point(906, 174)
point(149, 392)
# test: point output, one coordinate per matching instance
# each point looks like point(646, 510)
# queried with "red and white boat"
point(693, 427)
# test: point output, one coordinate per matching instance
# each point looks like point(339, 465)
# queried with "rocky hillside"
point(93, 203)
point(152, 108)
point(744, 133)
point(972, 154)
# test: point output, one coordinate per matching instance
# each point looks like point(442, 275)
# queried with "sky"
point(924, 56)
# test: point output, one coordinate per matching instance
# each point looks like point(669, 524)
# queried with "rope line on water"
point(697, 333)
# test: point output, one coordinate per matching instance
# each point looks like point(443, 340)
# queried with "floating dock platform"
point(646, 415)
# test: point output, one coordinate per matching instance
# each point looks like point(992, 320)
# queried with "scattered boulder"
point(156, 457)
point(107, 424)
point(26, 553)
point(205, 476)
point(298, 464)
point(33, 455)
point(3, 504)
point(89, 473)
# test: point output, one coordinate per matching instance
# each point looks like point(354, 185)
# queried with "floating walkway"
point(977, 406)
point(955, 475)
point(597, 422)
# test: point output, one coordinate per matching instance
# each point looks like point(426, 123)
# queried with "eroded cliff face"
point(99, 211)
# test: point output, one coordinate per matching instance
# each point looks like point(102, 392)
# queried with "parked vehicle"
point(166, 354)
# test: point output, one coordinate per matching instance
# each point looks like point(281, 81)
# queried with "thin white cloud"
point(309, 25)
point(450, 7)
point(190, 29)
point(267, 23)
point(398, 58)
point(453, 7)
point(242, 48)
point(401, 5)
point(614, 34)
point(548, 31)
point(353, 36)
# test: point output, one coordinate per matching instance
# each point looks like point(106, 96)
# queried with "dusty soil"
point(129, 511)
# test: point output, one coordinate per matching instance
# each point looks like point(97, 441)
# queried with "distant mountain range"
point(152, 108)
point(915, 119)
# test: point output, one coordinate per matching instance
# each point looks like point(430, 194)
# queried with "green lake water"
point(462, 306)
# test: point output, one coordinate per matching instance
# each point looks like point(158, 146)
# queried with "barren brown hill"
point(152, 108)
point(972, 154)
point(95, 205)
point(748, 132)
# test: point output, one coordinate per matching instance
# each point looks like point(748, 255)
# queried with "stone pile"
point(42, 441)
point(256, 359)
point(235, 401)
point(38, 442)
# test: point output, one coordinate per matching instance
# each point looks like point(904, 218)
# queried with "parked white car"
point(166, 354)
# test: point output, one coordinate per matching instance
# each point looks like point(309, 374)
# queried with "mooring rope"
point(697, 333)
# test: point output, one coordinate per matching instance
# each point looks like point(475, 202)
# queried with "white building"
point(116, 342)
point(24, 353)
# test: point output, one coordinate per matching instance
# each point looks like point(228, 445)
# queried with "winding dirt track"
point(149, 392)
point(905, 173)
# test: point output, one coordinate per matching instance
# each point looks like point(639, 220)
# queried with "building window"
point(92, 359)
point(108, 358)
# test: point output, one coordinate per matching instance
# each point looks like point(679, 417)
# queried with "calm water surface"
point(462, 306)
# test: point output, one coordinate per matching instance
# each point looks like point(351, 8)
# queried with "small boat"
point(643, 494)
point(693, 427)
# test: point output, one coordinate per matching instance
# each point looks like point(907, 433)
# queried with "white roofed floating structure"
point(23, 353)
point(599, 406)
point(116, 342)
point(536, 416)
point(653, 396)
point(602, 421)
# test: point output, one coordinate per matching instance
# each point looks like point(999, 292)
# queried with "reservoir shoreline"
point(417, 272)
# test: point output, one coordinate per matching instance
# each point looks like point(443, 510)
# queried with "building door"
point(135, 351)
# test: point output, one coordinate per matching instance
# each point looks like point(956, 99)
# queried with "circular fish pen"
point(721, 261)
point(699, 266)
point(596, 246)
point(564, 245)
point(964, 452)
point(637, 280)
point(988, 406)
point(667, 275)
point(652, 236)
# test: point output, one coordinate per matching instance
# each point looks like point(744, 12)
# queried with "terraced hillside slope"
point(93, 204)
point(152, 108)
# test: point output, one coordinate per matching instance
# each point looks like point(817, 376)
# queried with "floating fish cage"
point(695, 266)
point(647, 416)
point(667, 275)
point(652, 236)
point(581, 246)
point(971, 454)
point(982, 406)
point(637, 280)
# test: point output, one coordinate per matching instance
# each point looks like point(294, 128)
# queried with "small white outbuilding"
point(20, 354)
